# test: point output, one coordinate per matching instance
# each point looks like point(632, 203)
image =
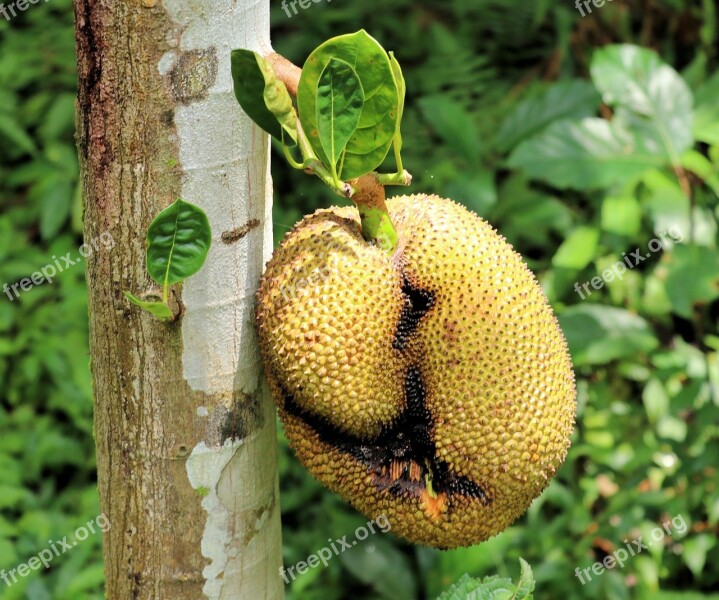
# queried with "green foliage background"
point(499, 93)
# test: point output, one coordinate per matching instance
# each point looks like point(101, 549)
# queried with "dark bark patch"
point(193, 74)
point(234, 235)
point(236, 422)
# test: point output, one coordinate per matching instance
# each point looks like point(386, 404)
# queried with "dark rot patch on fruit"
point(403, 457)
point(417, 303)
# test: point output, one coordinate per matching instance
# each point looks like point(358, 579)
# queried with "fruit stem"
point(369, 194)
point(377, 226)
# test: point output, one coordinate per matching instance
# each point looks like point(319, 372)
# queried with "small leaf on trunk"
point(159, 309)
point(177, 243)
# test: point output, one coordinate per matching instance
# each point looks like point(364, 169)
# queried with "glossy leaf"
point(654, 97)
point(375, 131)
point(159, 309)
point(340, 99)
point(177, 243)
point(587, 154)
point(262, 96)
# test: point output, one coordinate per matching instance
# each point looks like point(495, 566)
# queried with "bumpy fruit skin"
point(432, 385)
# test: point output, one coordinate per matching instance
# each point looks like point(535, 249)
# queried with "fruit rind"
point(443, 359)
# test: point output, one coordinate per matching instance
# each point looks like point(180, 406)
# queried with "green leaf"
point(454, 125)
point(667, 206)
point(339, 105)
point(375, 131)
point(587, 154)
point(15, 134)
point(621, 215)
point(695, 552)
point(379, 564)
point(656, 400)
point(262, 96)
point(177, 243)
point(159, 309)
point(706, 112)
point(401, 94)
point(87, 579)
point(692, 278)
point(493, 587)
point(525, 585)
point(697, 163)
point(55, 199)
point(599, 334)
point(656, 99)
point(571, 99)
point(475, 189)
point(578, 250)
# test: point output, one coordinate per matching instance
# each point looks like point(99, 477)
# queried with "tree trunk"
point(184, 426)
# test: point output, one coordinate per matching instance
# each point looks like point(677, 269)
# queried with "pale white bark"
point(225, 170)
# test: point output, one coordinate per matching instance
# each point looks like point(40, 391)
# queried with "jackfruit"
point(432, 384)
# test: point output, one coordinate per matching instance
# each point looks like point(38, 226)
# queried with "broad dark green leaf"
point(587, 154)
point(573, 99)
point(655, 97)
point(692, 279)
point(454, 125)
point(159, 309)
point(475, 189)
point(177, 243)
point(262, 96)
point(339, 105)
point(372, 139)
point(599, 334)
